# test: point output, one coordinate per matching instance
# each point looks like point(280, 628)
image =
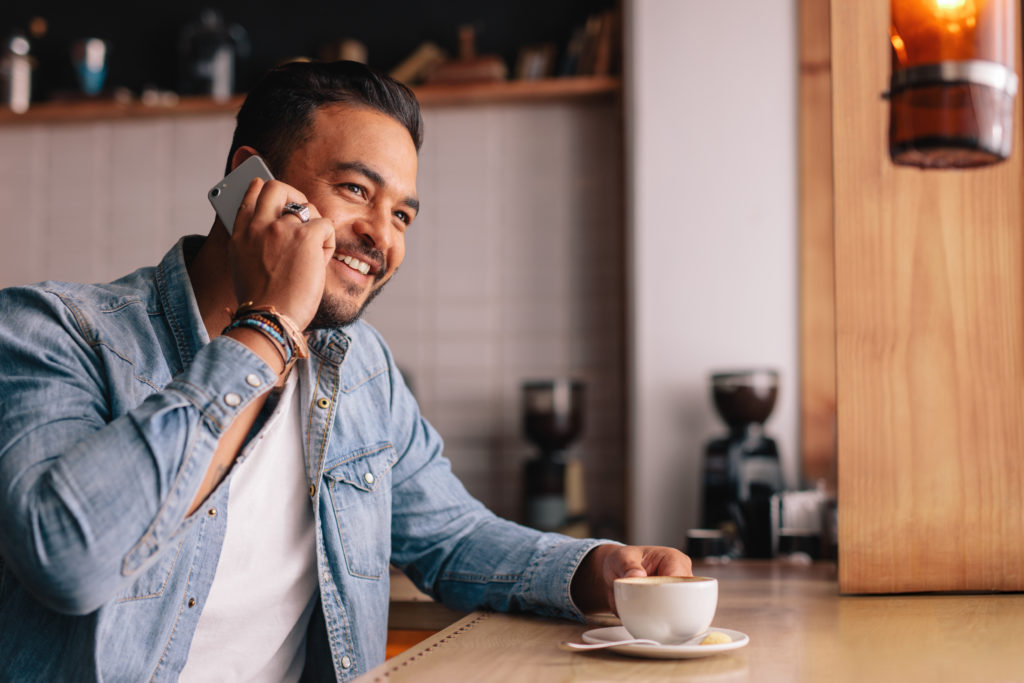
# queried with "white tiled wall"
point(514, 268)
point(92, 201)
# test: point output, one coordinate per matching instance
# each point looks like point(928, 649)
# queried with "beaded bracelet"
point(272, 322)
point(275, 335)
point(291, 331)
point(288, 339)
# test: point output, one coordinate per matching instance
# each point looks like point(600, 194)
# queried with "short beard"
point(333, 313)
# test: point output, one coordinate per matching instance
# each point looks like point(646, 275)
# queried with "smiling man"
point(207, 466)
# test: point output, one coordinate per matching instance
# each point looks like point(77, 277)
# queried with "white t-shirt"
point(253, 625)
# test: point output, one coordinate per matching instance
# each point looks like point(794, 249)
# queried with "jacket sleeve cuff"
point(549, 578)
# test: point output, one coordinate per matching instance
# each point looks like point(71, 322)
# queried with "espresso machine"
point(553, 492)
point(742, 470)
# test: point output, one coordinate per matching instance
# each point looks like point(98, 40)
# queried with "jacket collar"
point(178, 301)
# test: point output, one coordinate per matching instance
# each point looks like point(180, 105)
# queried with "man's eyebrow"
point(374, 177)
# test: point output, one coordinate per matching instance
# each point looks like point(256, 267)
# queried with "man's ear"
point(241, 154)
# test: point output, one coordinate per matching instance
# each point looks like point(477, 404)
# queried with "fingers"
point(245, 210)
point(593, 587)
point(635, 561)
point(629, 562)
point(648, 560)
point(263, 205)
point(663, 561)
point(276, 258)
point(270, 200)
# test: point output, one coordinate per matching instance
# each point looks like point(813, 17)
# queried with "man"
point(206, 466)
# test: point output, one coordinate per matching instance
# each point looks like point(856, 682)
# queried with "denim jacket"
point(112, 400)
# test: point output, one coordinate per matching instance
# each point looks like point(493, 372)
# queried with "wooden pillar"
point(817, 296)
point(929, 346)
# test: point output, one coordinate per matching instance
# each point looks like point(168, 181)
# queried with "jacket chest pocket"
point(360, 492)
point(153, 580)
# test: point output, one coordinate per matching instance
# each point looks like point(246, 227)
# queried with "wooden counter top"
point(800, 629)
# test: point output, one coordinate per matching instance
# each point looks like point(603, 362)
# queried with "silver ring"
point(300, 210)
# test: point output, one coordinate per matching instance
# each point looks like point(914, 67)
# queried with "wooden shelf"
point(548, 88)
point(79, 111)
point(429, 95)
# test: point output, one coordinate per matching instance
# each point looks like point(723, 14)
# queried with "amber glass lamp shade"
point(953, 82)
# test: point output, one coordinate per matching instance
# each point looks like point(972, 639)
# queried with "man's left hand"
point(592, 584)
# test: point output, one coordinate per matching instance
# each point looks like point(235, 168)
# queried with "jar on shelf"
point(208, 55)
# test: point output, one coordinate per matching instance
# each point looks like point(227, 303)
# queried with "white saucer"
point(611, 634)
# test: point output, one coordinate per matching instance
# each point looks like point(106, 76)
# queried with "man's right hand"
point(277, 259)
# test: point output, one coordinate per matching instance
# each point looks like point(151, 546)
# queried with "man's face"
point(358, 168)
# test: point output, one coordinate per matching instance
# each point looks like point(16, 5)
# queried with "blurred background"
point(630, 223)
point(144, 42)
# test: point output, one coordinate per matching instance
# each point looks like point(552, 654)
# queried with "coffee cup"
point(668, 609)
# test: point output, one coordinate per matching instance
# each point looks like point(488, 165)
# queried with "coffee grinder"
point(742, 470)
point(553, 497)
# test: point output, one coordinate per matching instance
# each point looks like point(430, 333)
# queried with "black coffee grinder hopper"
point(742, 469)
point(553, 496)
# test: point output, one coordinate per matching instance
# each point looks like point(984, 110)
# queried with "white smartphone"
point(226, 196)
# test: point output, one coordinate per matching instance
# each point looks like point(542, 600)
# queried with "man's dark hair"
point(277, 114)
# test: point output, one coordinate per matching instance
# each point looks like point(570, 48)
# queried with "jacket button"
point(346, 662)
point(212, 512)
point(312, 490)
point(323, 403)
point(232, 399)
point(368, 478)
point(253, 380)
point(191, 602)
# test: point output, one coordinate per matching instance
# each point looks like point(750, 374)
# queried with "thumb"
point(630, 565)
point(631, 562)
point(330, 240)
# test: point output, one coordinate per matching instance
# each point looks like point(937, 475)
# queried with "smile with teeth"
point(354, 263)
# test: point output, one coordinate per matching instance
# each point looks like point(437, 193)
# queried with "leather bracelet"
point(296, 340)
point(292, 332)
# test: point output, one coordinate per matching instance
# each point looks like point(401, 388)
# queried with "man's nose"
point(374, 228)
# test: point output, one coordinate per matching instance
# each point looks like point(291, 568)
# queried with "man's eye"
point(354, 189)
point(404, 217)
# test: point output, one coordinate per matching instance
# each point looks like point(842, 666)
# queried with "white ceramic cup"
point(668, 609)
